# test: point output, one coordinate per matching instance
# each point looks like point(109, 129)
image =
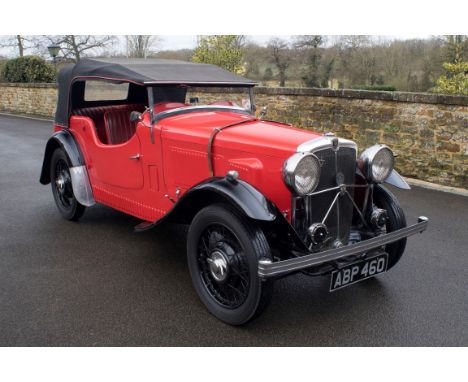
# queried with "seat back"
point(119, 128)
point(97, 115)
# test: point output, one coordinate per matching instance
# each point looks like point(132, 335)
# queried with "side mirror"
point(135, 116)
point(194, 100)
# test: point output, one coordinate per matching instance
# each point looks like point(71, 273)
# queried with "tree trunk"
point(75, 49)
point(282, 76)
point(20, 45)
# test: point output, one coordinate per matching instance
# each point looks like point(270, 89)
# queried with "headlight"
point(376, 163)
point(302, 173)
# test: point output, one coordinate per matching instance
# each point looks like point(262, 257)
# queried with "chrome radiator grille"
point(331, 207)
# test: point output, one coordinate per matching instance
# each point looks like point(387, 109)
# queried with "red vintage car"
point(176, 141)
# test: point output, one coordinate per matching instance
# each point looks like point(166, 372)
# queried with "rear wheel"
point(62, 189)
point(395, 220)
point(223, 250)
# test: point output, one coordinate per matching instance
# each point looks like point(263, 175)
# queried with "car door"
point(119, 165)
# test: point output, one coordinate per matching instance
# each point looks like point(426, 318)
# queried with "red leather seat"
point(118, 126)
point(97, 114)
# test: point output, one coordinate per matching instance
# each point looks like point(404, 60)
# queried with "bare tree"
point(21, 43)
point(310, 44)
point(75, 47)
point(19, 40)
point(281, 57)
point(141, 46)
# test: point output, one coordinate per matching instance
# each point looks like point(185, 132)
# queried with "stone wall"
point(30, 99)
point(428, 132)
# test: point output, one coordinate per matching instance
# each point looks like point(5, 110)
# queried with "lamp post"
point(54, 50)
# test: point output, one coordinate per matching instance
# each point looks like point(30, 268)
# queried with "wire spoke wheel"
point(62, 188)
point(223, 251)
point(223, 266)
point(63, 184)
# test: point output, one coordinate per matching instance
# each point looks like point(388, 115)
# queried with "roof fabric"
point(157, 71)
point(142, 72)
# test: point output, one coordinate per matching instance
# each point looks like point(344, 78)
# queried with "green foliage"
point(28, 69)
point(456, 48)
point(311, 75)
point(221, 50)
point(456, 80)
point(383, 88)
point(2, 65)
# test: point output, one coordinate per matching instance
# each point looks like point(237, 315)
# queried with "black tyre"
point(223, 250)
point(396, 219)
point(62, 189)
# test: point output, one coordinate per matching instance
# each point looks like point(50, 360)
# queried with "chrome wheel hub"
point(218, 266)
point(60, 181)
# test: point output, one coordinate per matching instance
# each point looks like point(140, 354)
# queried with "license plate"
point(358, 271)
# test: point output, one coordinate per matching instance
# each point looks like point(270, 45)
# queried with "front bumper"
point(267, 268)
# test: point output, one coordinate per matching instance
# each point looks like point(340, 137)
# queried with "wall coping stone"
point(428, 98)
point(368, 94)
point(28, 85)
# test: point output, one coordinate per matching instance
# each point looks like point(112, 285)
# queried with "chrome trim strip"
point(188, 109)
point(324, 143)
point(278, 268)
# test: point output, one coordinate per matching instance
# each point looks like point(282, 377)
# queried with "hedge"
point(28, 69)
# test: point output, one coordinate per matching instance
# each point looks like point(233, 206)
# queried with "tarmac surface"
point(96, 283)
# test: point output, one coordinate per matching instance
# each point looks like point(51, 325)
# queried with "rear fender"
point(80, 180)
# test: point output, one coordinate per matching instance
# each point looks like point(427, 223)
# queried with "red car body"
point(177, 161)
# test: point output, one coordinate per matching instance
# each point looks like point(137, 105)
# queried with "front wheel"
point(395, 220)
point(62, 189)
point(223, 250)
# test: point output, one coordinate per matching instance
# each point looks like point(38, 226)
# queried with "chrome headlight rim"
point(367, 160)
point(289, 172)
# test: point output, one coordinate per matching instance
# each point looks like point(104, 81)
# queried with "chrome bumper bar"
point(267, 268)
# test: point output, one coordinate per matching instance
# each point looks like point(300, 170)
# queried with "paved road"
point(97, 283)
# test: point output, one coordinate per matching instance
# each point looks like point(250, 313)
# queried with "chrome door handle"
point(135, 157)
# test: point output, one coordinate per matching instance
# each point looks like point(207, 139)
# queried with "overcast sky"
point(174, 42)
point(183, 42)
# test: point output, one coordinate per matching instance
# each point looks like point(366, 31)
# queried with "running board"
point(144, 226)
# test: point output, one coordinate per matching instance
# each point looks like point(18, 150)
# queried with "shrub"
point(268, 74)
point(456, 81)
point(2, 64)
point(221, 50)
point(28, 69)
point(383, 88)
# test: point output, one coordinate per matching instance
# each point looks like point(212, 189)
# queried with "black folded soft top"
point(143, 72)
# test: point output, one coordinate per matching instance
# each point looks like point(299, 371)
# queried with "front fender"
point(397, 180)
point(246, 197)
point(238, 193)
